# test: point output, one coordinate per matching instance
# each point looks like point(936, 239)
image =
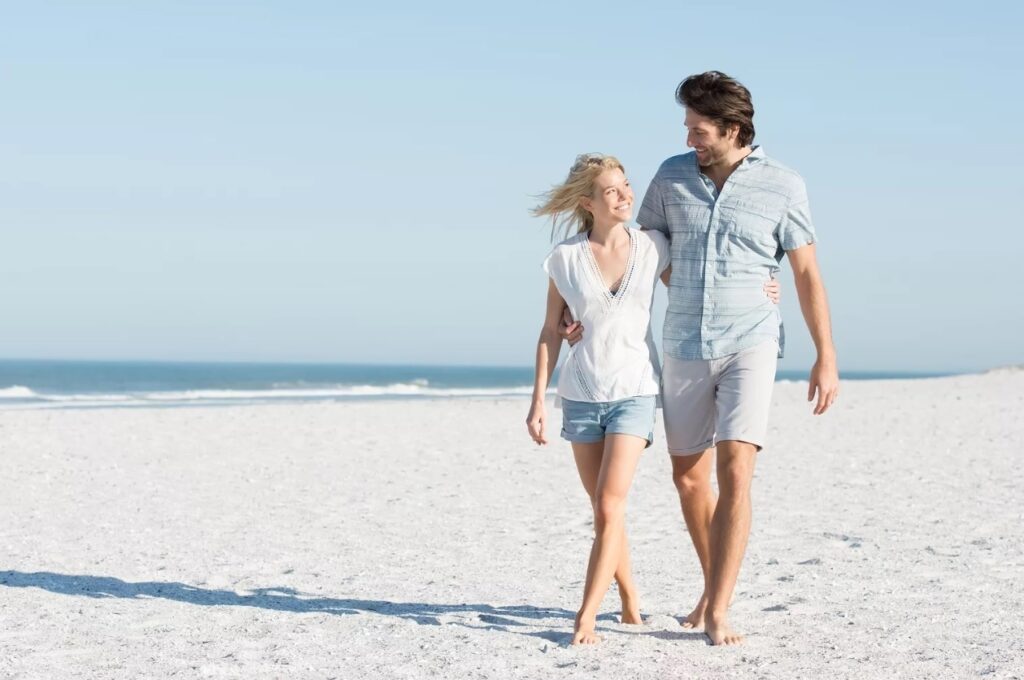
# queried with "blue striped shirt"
point(725, 247)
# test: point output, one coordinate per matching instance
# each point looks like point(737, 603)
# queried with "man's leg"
point(730, 529)
point(688, 400)
point(692, 477)
point(742, 402)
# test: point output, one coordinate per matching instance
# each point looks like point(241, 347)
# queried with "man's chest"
point(693, 210)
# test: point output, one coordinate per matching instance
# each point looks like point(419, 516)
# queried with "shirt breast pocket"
point(687, 219)
point(751, 229)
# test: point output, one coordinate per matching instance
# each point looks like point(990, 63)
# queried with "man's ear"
point(733, 133)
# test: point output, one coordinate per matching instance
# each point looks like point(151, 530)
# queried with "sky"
point(323, 182)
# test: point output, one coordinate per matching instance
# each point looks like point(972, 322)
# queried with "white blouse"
point(617, 358)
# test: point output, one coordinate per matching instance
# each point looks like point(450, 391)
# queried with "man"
point(730, 212)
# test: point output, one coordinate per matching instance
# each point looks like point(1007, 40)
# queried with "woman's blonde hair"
point(562, 203)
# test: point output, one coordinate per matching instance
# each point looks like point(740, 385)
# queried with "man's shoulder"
point(678, 167)
point(781, 176)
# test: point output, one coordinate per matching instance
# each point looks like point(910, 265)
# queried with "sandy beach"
point(416, 539)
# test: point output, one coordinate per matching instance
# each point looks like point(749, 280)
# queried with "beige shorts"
point(711, 400)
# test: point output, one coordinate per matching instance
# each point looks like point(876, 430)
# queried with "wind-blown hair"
point(562, 202)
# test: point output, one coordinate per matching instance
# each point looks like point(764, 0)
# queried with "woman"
point(606, 275)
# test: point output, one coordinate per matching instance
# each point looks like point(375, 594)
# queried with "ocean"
point(92, 384)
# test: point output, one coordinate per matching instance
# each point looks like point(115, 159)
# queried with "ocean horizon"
point(51, 383)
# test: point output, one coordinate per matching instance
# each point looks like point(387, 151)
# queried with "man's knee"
point(735, 467)
point(692, 474)
point(693, 482)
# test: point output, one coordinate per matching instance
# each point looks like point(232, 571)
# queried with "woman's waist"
point(613, 356)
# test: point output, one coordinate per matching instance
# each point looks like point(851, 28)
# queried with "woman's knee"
point(608, 508)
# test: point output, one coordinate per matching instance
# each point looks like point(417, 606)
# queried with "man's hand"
point(824, 381)
point(536, 421)
point(773, 291)
point(570, 329)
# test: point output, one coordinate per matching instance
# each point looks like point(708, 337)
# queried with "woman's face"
point(612, 198)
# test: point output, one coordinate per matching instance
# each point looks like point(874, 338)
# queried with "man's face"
point(704, 137)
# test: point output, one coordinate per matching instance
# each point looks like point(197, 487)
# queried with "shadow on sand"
point(476, 616)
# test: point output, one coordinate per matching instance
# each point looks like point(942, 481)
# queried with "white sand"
point(398, 539)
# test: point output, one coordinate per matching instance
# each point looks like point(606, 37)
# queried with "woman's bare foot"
point(631, 610)
point(583, 632)
point(695, 619)
point(719, 632)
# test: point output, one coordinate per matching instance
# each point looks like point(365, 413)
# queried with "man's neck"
point(719, 171)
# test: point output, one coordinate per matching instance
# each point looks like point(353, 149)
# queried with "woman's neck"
point(608, 233)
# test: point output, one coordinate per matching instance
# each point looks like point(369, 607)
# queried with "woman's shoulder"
point(566, 247)
point(571, 241)
point(562, 253)
point(655, 247)
point(652, 237)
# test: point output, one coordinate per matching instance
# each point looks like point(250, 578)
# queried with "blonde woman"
point(606, 275)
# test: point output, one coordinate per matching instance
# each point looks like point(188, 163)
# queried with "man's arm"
point(814, 304)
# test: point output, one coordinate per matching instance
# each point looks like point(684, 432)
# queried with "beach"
point(431, 538)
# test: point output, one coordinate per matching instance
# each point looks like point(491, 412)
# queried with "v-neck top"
point(617, 358)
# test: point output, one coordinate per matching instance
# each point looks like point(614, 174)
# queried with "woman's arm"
point(548, 346)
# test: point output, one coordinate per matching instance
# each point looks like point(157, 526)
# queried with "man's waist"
point(704, 329)
point(689, 349)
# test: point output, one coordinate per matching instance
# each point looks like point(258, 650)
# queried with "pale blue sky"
point(306, 181)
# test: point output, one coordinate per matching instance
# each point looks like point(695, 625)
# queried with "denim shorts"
point(588, 422)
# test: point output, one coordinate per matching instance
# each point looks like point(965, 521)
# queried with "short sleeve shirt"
point(725, 246)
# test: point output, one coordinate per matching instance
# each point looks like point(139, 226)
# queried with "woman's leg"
point(588, 464)
point(618, 465)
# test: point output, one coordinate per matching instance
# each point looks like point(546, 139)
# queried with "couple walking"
point(715, 224)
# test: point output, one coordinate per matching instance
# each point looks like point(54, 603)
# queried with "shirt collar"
point(756, 154)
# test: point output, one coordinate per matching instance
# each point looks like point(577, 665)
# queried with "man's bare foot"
point(583, 633)
point(631, 610)
point(695, 619)
point(719, 632)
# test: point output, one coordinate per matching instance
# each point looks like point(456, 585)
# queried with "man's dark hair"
point(722, 99)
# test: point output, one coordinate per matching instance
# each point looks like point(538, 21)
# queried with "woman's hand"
point(773, 291)
point(536, 421)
